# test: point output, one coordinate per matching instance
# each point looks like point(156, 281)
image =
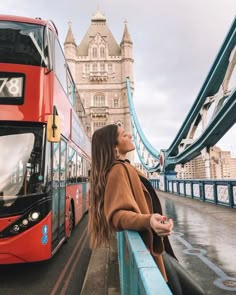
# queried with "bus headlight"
point(28, 219)
point(33, 216)
point(15, 228)
point(25, 222)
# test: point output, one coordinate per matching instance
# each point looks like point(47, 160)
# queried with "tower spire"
point(126, 36)
point(98, 16)
point(70, 37)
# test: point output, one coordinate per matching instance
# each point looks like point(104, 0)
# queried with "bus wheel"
point(71, 220)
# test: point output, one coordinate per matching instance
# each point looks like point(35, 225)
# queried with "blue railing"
point(139, 274)
point(155, 182)
point(220, 192)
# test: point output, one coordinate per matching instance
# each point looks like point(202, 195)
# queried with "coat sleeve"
point(120, 207)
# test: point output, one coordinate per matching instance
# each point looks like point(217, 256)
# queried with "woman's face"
point(125, 144)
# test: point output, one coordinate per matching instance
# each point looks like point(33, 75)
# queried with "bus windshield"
point(20, 162)
point(22, 43)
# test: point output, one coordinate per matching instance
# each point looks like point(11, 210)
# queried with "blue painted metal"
point(221, 192)
point(139, 274)
point(217, 128)
point(155, 182)
point(185, 147)
point(136, 127)
point(225, 117)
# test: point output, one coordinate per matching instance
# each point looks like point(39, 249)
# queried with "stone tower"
point(100, 67)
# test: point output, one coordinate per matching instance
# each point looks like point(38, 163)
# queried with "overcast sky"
point(174, 45)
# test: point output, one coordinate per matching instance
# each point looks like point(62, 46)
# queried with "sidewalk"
point(102, 277)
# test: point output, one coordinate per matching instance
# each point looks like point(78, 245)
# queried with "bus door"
point(58, 192)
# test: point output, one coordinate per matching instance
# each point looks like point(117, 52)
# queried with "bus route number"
point(11, 87)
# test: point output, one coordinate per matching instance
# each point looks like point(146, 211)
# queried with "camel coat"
point(128, 206)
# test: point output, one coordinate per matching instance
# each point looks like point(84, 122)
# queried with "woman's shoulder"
point(125, 168)
point(120, 166)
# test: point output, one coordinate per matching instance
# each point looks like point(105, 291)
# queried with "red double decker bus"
point(44, 149)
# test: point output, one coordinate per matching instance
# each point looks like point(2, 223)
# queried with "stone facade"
point(222, 166)
point(100, 67)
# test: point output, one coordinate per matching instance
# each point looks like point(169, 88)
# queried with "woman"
point(123, 199)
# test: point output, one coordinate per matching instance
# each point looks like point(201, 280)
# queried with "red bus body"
point(37, 217)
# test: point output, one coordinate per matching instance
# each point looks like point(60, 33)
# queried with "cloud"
point(174, 46)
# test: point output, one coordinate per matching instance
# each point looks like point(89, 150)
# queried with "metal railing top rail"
point(139, 274)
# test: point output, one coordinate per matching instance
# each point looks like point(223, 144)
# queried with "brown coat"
point(125, 211)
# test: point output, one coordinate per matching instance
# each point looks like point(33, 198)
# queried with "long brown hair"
point(104, 141)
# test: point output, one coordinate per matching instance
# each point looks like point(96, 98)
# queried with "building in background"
point(222, 166)
point(100, 66)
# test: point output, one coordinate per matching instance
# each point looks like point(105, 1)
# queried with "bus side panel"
point(32, 245)
point(74, 192)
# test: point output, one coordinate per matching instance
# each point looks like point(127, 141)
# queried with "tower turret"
point(70, 49)
point(127, 55)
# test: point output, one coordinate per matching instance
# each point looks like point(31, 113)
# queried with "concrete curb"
point(95, 282)
point(102, 277)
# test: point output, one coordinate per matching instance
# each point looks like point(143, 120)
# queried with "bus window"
point(60, 65)
point(13, 168)
point(79, 168)
point(71, 166)
point(85, 169)
point(48, 168)
point(22, 43)
point(70, 89)
point(20, 172)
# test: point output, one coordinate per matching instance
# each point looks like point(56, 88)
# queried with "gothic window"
point(94, 52)
point(102, 52)
point(102, 67)
point(95, 68)
point(110, 68)
point(99, 100)
point(98, 124)
point(87, 68)
point(116, 102)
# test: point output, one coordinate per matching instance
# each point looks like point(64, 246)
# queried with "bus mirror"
point(53, 128)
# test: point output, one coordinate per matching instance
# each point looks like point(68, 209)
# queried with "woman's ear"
point(117, 153)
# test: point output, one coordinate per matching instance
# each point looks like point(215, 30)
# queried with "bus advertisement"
point(45, 151)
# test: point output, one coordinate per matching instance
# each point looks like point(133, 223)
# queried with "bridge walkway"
point(204, 240)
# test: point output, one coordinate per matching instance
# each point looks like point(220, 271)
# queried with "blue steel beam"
point(136, 126)
point(221, 121)
point(219, 125)
point(209, 88)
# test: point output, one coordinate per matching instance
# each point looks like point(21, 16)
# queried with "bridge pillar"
point(206, 157)
point(164, 178)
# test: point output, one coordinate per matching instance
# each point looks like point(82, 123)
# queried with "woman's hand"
point(160, 226)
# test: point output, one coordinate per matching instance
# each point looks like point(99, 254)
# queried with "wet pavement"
point(204, 240)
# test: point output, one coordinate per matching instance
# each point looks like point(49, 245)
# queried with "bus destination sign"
point(12, 88)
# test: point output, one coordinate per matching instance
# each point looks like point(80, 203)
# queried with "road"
point(204, 239)
point(62, 275)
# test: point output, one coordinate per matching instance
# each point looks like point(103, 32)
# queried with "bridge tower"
point(100, 66)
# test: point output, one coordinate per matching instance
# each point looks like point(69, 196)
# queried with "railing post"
point(201, 191)
point(215, 192)
point(230, 193)
point(191, 187)
point(177, 187)
point(165, 177)
point(184, 187)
